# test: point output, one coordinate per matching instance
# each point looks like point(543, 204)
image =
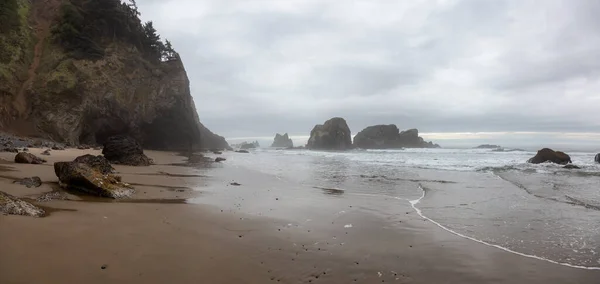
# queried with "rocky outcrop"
point(99, 163)
point(30, 182)
point(70, 98)
point(10, 205)
point(549, 155)
point(597, 158)
point(334, 134)
point(282, 141)
point(488, 146)
point(125, 150)
point(245, 145)
point(390, 137)
point(83, 178)
point(28, 158)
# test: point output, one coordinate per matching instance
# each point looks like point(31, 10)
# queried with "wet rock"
point(571, 166)
point(125, 150)
point(282, 141)
point(597, 158)
point(58, 147)
point(549, 155)
point(83, 178)
point(235, 184)
point(25, 150)
point(242, 151)
point(53, 195)
point(219, 159)
point(83, 147)
point(37, 143)
point(10, 205)
point(99, 163)
point(46, 153)
point(28, 158)
point(29, 182)
point(217, 152)
point(334, 134)
point(10, 150)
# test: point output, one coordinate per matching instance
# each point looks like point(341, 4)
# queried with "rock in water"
point(572, 167)
point(549, 155)
point(28, 158)
point(83, 178)
point(242, 151)
point(124, 150)
point(389, 137)
point(30, 181)
point(13, 206)
point(219, 159)
point(99, 163)
point(282, 141)
point(597, 158)
point(334, 134)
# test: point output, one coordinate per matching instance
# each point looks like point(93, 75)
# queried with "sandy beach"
point(157, 236)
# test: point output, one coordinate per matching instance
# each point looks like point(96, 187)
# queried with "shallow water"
point(541, 211)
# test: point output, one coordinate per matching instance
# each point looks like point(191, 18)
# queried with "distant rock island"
point(334, 134)
point(390, 137)
point(488, 146)
point(247, 145)
point(282, 141)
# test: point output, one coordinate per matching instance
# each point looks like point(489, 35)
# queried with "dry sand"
point(158, 238)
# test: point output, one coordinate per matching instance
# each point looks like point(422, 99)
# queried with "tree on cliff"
point(9, 15)
point(86, 27)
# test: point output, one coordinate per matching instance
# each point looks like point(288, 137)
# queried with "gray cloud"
point(260, 67)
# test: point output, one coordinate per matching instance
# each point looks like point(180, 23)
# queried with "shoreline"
point(149, 240)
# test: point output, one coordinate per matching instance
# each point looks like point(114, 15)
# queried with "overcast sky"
point(261, 67)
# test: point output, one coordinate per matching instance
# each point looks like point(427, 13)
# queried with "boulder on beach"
point(46, 152)
point(11, 205)
point(549, 155)
point(30, 182)
point(83, 178)
point(390, 137)
point(99, 163)
point(28, 158)
point(282, 141)
point(334, 134)
point(125, 150)
point(597, 158)
point(219, 159)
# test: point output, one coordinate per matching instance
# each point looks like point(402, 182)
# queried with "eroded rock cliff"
point(334, 134)
point(68, 93)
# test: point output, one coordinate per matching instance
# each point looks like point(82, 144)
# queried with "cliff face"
point(334, 134)
point(77, 100)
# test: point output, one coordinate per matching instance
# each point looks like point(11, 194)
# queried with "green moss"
point(62, 79)
point(16, 48)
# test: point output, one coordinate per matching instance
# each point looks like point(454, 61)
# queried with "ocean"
point(489, 197)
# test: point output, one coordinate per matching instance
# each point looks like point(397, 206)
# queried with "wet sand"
point(158, 238)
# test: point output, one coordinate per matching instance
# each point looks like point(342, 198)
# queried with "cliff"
point(77, 77)
point(390, 137)
point(334, 134)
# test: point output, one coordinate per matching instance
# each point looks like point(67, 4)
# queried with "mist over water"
point(495, 197)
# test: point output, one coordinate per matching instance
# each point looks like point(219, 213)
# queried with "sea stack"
point(597, 158)
point(334, 134)
point(390, 137)
point(282, 141)
point(549, 155)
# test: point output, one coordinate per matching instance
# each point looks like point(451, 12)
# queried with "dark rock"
point(28, 158)
point(46, 153)
point(219, 159)
point(83, 147)
point(549, 155)
point(125, 150)
point(597, 158)
point(10, 150)
point(37, 143)
point(83, 178)
point(25, 150)
point(10, 205)
point(390, 137)
point(29, 182)
point(217, 152)
point(245, 145)
point(235, 184)
point(242, 151)
point(58, 147)
point(571, 166)
point(99, 163)
point(334, 134)
point(282, 141)
point(488, 146)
